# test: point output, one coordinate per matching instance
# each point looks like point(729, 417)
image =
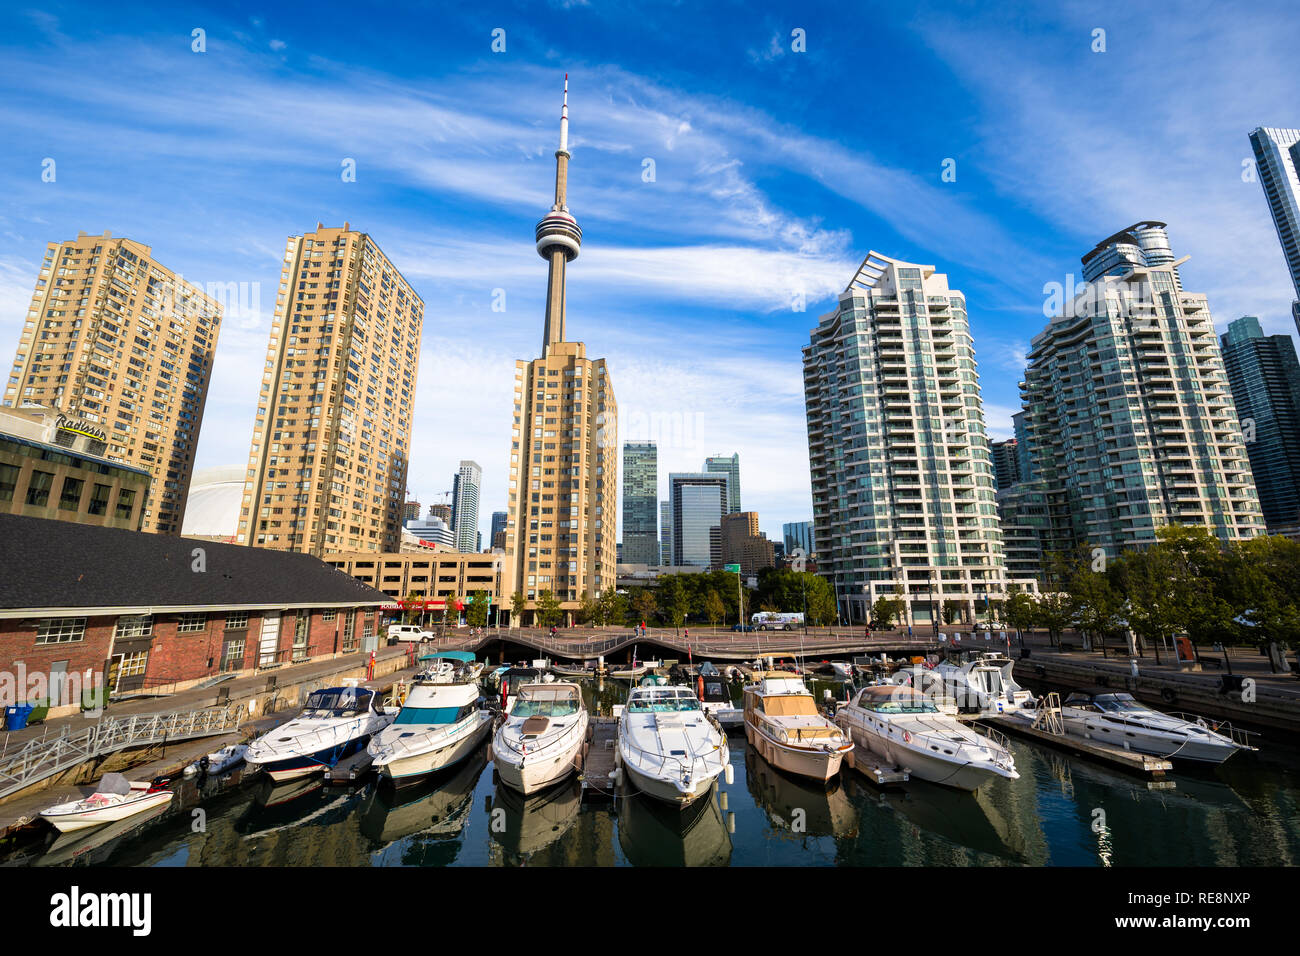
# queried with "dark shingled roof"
point(47, 564)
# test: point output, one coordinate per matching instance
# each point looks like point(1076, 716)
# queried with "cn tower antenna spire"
point(558, 236)
point(564, 117)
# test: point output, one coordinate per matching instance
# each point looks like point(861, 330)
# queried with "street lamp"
point(934, 618)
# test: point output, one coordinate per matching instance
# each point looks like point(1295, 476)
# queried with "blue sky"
point(775, 172)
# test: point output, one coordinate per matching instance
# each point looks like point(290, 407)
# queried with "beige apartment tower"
point(122, 344)
point(561, 526)
point(332, 434)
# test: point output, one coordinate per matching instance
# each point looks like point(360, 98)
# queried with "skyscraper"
point(498, 535)
point(797, 535)
point(1277, 158)
point(1128, 416)
point(563, 489)
point(902, 483)
point(1265, 379)
point(332, 435)
point(114, 339)
point(728, 465)
point(441, 511)
point(640, 503)
point(744, 544)
point(665, 533)
point(1006, 463)
point(698, 501)
point(464, 505)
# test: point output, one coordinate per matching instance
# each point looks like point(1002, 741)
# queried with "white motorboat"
point(449, 667)
point(711, 687)
point(219, 761)
point(668, 747)
point(116, 798)
point(783, 725)
point(540, 739)
point(904, 728)
point(334, 724)
point(439, 725)
point(983, 684)
point(1119, 720)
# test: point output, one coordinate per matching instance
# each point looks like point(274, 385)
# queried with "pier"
point(598, 757)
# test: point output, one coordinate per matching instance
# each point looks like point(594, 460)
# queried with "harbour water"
point(1062, 811)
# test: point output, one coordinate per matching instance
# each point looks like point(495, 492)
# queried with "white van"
point(408, 632)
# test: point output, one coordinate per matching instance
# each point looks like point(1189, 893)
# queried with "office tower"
point(1128, 416)
point(1023, 459)
point(432, 529)
point(640, 503)
point(698, 502)
point(332, 435)
point(1006, 463)
point(410, 509)
point(728, 465)
point(1264, 376)
point(744, 544)
point(563, 490)
point(1277, 159)
point(498, 534)
point(114, 339)
point(464, 505)
point(797, 536)
point(442, 512)
point(665, 533)
point(902, 482)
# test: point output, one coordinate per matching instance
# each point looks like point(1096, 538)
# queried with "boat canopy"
point(114, 783)
point(463, 656)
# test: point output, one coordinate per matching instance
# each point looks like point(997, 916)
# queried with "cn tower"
point(558, 236)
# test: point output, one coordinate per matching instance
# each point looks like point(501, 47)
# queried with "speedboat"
point(899, 724)
point(539, 741)
point(668, 747)
point(1119, 720)
point(116, 798)
point(219, 761)
point(440, 724)
point(783, 725)
point(448, 667)
point(983, 684)
point(712, 688)
point(334, 724)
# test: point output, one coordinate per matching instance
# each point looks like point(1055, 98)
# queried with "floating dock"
point(1128, 760)
point(598, 757)
point(868, 764)
point(351, 769)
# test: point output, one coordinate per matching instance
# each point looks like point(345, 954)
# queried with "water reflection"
point(523, 826)
point(799, 805)
point(652, 833)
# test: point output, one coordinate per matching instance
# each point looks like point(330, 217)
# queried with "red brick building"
point(138, 611)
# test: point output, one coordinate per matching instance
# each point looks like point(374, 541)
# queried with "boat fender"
point(729, 775)
point(1167, 695)
point(907, 737)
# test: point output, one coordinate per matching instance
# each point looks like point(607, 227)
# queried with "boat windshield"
point(524, 707)
point(661, 701)
point(333, 703)
point(1119, 703)
point(433, 715)
point(908, 705)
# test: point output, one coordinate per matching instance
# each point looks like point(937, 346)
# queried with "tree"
point(673, 599)
point(517, 606)
point(644, 606)
point(450, 614)
point(1021, 610)
point(822, 608)
point(588, 611)
point(612, 607)
point(476, 612)
point(714, 609)
point(1145, 579)
point(1262, 574)
point(1097, 605)
point(412, 613)
point(885, 610)
point(548, 609)
point(949, 612)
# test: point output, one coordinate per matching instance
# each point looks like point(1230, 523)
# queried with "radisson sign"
point(80, 427)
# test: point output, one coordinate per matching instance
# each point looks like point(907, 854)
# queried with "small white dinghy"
point(219, 761)
point(116, 799)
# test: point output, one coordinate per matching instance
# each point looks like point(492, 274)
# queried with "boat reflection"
point(523, 826)
point(437, 807)
point(652, 833)
point(800, 806)
point(89, 847)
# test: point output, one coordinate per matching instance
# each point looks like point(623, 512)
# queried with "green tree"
point(612, 607)
point(412, 614)
point(644, 606)
point(1145, 579)
point(674, 600)
point(450, 615)
point(950, 610)
point(476, 612)
point(885, 611)
point(714, 609)
point(1262, 573)
point(822, 608)
point(1021, 611)
point(588, 611)
point(548, 609)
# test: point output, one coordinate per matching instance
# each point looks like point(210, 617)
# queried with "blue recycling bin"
point(16, 717)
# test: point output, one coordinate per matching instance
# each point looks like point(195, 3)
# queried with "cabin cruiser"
point(1119, 720)
point(782, 723)
point(899, 724)
point(713, 690)
point(449, 667)
point(512, 678)
point(440, 724)
point(334, 724)
point(983, 684)
point(539, 742)
point(668, 747)
point(115, 799)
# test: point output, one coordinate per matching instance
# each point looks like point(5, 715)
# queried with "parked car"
point(742, 627)
point(408, 632)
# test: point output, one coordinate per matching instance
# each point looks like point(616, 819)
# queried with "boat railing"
point(542, 740)
point(1238, 735)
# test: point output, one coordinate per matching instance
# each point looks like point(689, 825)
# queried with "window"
point(61, 630)
point(133, 664)
point(328, 615)
point(188, 623)
point(236, 620)
point(134, 625)
point(8, 481)
point(125, 502)
point(38, 489)
point(99, 500)
point(70, 498)
point(349, 632)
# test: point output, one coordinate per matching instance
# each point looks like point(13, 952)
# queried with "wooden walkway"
point(598, 757)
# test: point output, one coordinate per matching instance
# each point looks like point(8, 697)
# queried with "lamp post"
point(934, 618)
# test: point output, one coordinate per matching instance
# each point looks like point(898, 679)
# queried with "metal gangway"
point(1047, 715)
point(46, 756)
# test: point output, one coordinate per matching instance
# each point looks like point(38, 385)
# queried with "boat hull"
point(290, 768)
point(804, 761)
point(98, 816)
point(538, 771)
point(410, 769)
point(1211, 752)
point(923, 766)
point(667, 792)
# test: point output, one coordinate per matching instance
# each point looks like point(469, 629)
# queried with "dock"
point(1118, 757)
point(351, 769)
point(598, 757)
point(869, 765)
